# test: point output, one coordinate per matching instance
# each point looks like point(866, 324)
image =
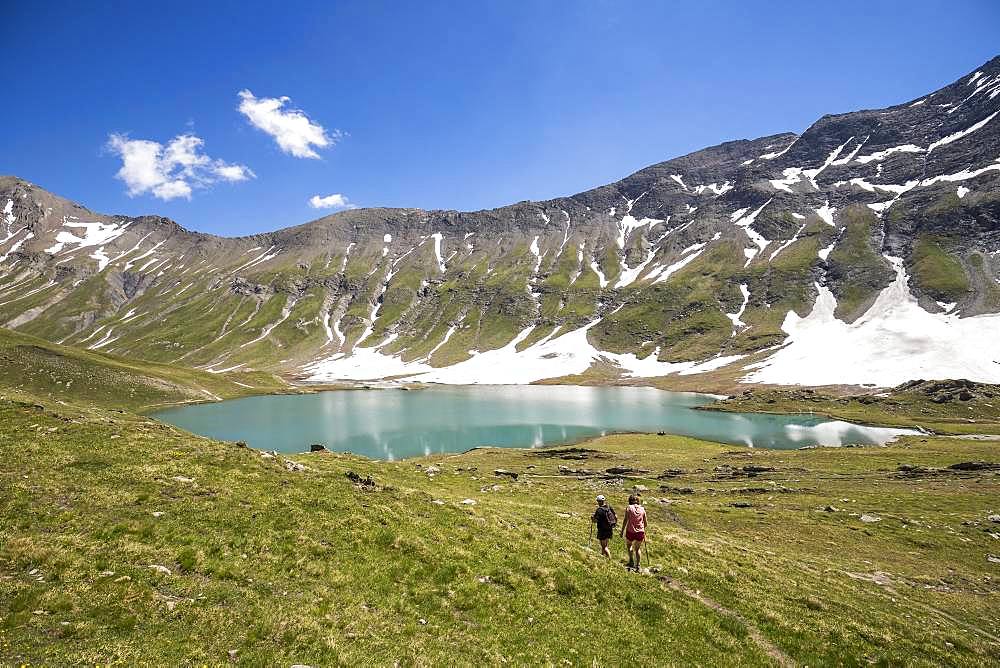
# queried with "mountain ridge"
point(725, 256)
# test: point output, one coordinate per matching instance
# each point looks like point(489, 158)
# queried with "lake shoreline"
point(453, 418)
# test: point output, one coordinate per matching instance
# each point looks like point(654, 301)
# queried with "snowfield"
point(565, 355)
point(895, 341)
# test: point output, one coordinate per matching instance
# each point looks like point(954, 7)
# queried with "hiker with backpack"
point(634, 531)
point(605, 519)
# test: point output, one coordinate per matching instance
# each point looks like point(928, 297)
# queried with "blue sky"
point(462, 105)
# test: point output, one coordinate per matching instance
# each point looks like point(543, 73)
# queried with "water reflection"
point(393, 424)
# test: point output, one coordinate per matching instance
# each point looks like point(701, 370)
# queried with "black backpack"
point(610, 517)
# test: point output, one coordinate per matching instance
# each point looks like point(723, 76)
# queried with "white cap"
point(600, 497)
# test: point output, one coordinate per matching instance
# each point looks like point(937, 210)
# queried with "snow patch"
point(629, 275)
point(664, 273)
point(961, 133)
point(825, 213)
point(735, 317)
point(745, 221)
point(437, 236)
point(94, 234)
point(772, 156)
point(102, 259)
point(878, 156)
point(601, 280)
point(534, 251)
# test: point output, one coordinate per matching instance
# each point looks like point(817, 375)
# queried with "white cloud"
point(334, 201)
point(291, 128)
point(233, 173)
point(170, 171)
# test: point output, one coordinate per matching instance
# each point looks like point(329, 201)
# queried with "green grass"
point(307, 567)
point(915, 407)
point(857, 273)
point(937, 272)
point(48, 370)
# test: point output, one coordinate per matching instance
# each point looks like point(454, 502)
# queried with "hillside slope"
point(33, 365)
point(868, 248)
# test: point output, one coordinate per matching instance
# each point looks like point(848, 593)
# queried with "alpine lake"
point(395, 424)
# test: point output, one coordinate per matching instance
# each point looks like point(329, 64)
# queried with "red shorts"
point(638, 536)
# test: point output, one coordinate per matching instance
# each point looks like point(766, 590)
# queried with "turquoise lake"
point(394, 423)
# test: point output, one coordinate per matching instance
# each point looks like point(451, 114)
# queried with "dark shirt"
point(601, 517)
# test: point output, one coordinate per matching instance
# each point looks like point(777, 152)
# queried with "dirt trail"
point(755, 634)
point(769, 648)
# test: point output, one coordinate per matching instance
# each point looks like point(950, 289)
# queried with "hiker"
point(634, 531)
point(605, 518)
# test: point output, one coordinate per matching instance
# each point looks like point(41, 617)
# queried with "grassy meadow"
point(126, 541)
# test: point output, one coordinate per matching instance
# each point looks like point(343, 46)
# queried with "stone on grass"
point(868, 519)
point(469, 502)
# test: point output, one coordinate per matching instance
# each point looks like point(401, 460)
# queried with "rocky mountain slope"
point(864, 251)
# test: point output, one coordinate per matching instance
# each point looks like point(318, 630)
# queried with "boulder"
point(367, 482)
point(975, 466)
point(625, 470)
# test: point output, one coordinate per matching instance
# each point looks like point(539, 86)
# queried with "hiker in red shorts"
point(634, 531)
